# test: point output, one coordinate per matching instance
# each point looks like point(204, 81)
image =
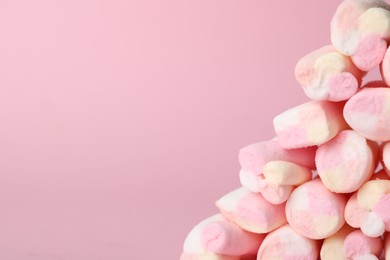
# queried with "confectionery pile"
point(321, 187)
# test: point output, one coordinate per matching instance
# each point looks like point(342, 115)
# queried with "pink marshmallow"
point(253, 158)
point(368, 208)
point(326, 74)
point(285, 243)
point(315, 212)
point(280, 178)
point(279, 173)
point(354, 213)
point(361, 29)
point(368, 113)
point(358, 245)
point(216, 238)
point(251, 211)
point(309, 124)
point(346, 162)
point(348, 243)
point(275, 194)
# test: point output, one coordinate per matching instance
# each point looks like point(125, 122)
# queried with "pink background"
point(121, 120)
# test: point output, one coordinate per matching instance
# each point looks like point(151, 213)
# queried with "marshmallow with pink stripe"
point(312, 123)
point(216, 238)
point(251, 211)
point(349, 243)
point(285, 243)
point(273, 171)
point(315, 212)
point(368, 113)
point(326, 74)
point(346, 162)
point(361, 29)
point(368, 208)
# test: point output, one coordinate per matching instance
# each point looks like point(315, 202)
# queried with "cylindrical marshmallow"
point(349, 243)
point(279, 179)
point(251, 211)
point(253, 157)
point(286, 173)
point(285, 243)
point(309, 124)
point(315, 212)
point(326, 74)
point(217, 238)
point(368, 113)
point(368, 208)
point(361, 29)
point(345, 162)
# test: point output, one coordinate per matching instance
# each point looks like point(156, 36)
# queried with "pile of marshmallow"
point(321, 188)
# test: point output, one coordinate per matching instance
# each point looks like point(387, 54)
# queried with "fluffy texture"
point(326, 74)
point(368, 113)
point(254, 157)
point(368, 208)
point(346, 162)
point(285, 243)
point(349, 243)
point(251, 211)
point(361, 29)
point(315, 212)
point(218, 238)
point(309, 124)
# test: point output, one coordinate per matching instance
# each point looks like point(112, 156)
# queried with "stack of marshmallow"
point(321, 188)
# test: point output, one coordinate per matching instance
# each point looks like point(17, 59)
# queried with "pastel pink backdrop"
point(121, 120)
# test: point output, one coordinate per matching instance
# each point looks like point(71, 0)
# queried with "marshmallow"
point(315, 212)
point(348, 243)
point(333, 247)
point(354, 213)
point(251, 211)
point(285, 243)
point(286, 173)
point(368, 208)
point(326, 74)
point(368, 113)
point(309, 124)
point(361, 29)
point(358, 245)
point(253, 158)
point(218, 239)
point(279, 179)
point(275, 194)
point(346, 162)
